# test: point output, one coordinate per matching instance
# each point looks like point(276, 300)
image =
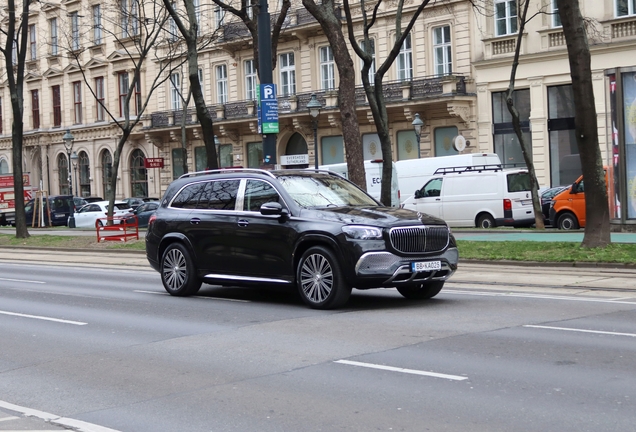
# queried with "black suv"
point(310, 229)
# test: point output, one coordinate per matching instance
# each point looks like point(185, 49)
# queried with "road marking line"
point(77, 425)
point(201, 297)
point(9, 418)
point(22, 280)
point(538, 296)
point(402, 370)
point(581, 330)
point(43, 318)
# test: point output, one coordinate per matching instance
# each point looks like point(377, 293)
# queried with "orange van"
point(567, 210)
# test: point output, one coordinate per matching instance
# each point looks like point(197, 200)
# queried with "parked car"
point(144, 211)
point(93, 199)
point(59, 206)
point(546, 200)
point(312, 230)
point(79, 202)
point(92, 214)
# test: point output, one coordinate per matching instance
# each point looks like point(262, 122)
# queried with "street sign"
point(268, 109)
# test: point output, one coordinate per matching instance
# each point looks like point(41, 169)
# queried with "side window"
point(580, 187)
point(189, 196)
point(219, 195)
point(433, 188)
point(257, 193)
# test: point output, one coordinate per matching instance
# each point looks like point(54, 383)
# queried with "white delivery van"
point(469, 197)
point(373, 171)
point(413, 173)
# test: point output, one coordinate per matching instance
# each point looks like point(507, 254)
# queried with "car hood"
point(372, 215)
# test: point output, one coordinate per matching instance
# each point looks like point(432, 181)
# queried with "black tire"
point(178, 274)
point(421, 291)
point(485, 221)
point(567, 221)
point(320, 281)
point(100, 223)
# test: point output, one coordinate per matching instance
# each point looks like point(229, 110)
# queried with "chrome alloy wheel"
point(316, 278)
point(174, 269)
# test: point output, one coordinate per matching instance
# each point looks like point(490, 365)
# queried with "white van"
point(373, 171)
point(413, 173)
point(469, 197)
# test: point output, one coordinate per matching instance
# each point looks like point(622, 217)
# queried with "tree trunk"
point(332, 27)
point(597, 226)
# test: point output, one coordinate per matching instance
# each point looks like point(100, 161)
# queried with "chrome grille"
point(419, 238)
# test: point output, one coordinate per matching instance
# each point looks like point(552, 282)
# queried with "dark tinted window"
point(219, 195)
point(122, 207)
point(189, 196)
point(257, 193)
point(519, 182)
point(61, 204)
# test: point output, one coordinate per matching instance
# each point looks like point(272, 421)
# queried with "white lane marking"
point(9, 418)
point(539, 296)
point(581, 330)
point(402, 370)
point(77, 425)
point(201, 297)
point(43, 318)
point(22, 280)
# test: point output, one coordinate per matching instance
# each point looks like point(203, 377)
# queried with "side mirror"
point(574, 188)
point(272, 209)
point(418, 194)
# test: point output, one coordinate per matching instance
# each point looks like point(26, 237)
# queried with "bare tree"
point(195, 42)
point(14, 50)
point(597, 225)
point(142, 39)
point(374, 91)
point(526, 148)
point(325, 14)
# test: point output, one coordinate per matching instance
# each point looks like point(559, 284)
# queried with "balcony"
point(395, 92)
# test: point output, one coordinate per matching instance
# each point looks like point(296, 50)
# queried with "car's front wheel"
point(320, 281)
point(567, 221)
point(178, 274)
point(425, 290)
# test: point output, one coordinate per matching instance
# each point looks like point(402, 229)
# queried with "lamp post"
point(418, 124)
point(217, 144)
point(314, 111)
point(74, 159)
point(68, 139)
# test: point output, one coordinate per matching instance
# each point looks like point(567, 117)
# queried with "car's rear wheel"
point(425, 290)
point(485, 221)
point(320, 281)
point(567, 221)
point(178, 274)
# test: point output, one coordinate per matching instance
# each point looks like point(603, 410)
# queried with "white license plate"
point(426, 266)
point(526, 202)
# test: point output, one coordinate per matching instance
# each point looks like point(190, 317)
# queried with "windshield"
point(324, 190)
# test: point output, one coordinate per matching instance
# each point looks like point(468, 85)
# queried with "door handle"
point(243, 223)
point(195, 221)
point(437, 199)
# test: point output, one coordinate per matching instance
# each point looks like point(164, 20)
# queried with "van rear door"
point(520, 196)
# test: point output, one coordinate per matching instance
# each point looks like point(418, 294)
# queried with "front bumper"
point(386, 269)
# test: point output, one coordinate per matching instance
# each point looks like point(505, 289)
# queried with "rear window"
point(122, 206)
point(61, 204)
point(518, 182)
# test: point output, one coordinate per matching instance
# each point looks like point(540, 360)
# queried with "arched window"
point(107, 171)
point(84, 175)
point(138, 175)
point(62, 170)
point(4, 166)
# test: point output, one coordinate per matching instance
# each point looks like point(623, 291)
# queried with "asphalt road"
point(109, 348)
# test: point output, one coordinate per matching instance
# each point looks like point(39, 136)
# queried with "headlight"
point(360, 232)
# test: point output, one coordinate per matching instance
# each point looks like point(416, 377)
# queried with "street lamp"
point(418, 124)
point(68, 139)
point(217, 145)
point(74, 159)
point(314, 111)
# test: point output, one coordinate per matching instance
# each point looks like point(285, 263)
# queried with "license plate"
point(526, 202)
point(426, 266)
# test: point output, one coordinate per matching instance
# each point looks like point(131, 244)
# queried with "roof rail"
point(227, 170)
point(469, 168)
point(317, 170)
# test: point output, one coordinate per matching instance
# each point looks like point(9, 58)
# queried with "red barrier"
point(121, 229)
